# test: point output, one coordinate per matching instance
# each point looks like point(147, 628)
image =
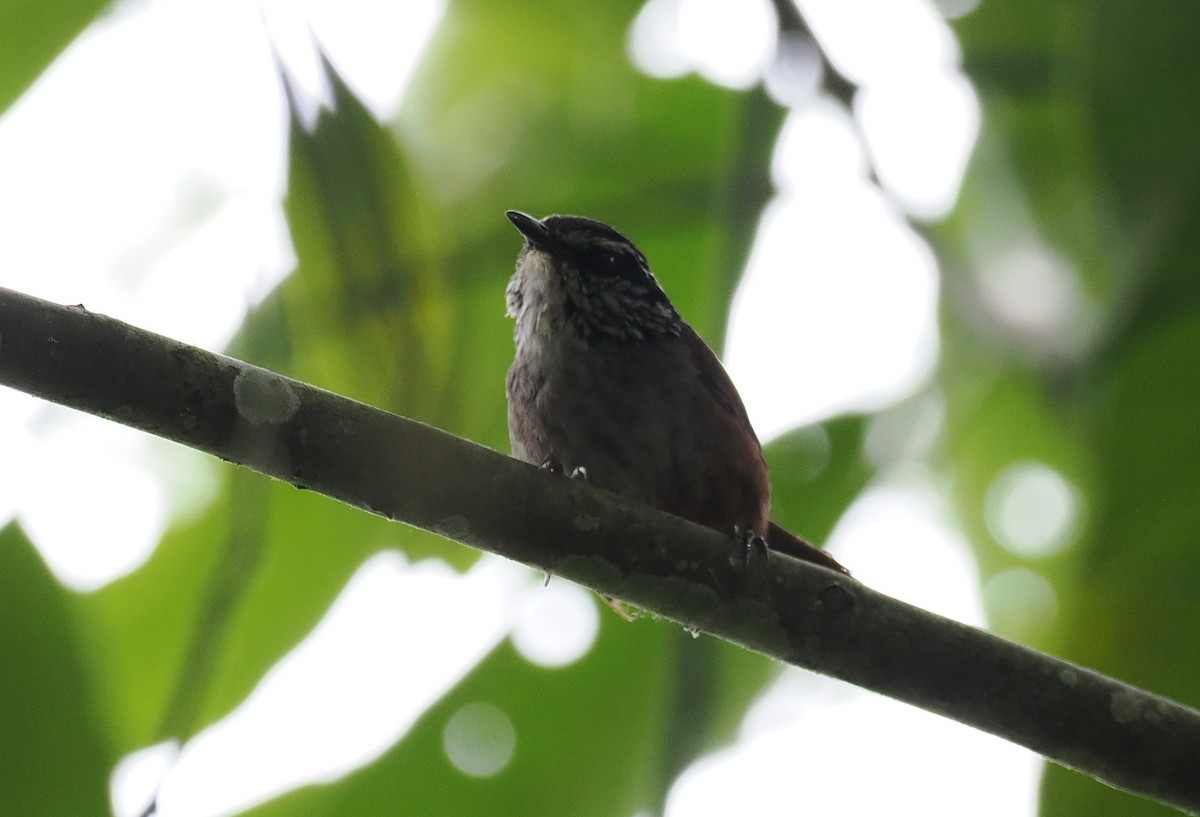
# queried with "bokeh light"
point(479, 740)
point(1031, 509)
point(557, 626)
point(1020, 603)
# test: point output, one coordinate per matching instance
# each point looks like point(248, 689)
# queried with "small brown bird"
point(611, 382)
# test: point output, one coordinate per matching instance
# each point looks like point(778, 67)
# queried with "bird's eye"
point(606, 262)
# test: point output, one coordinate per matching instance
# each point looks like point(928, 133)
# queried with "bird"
point(610, 383)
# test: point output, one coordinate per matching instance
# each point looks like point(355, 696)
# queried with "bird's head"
point(596, 276)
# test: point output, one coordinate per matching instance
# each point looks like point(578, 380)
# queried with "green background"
point(1089, 123)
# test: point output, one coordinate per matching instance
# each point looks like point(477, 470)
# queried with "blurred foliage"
point(34, 33)
point(1088, 151)
point(1087, 156)
point(52, 746)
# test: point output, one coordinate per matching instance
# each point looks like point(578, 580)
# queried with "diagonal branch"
point(792, 611)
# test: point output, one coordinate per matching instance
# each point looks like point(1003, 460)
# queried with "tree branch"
point(790, 610)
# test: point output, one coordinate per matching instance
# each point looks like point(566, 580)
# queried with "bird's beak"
point(535, 232)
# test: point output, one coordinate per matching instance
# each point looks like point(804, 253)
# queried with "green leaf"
point(366, 308)
point(52, 748)
point(35, 32)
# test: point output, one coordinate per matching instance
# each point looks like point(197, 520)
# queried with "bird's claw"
point(752, 544)
point(555, 466)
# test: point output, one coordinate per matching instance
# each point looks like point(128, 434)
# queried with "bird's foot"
point(754, 547)
point(555, 466)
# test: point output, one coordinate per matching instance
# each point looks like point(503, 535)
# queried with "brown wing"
point(716, 381)
point(737, 493)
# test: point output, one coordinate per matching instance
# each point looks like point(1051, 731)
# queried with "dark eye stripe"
point(609, 262)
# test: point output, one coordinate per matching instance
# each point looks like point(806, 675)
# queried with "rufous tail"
point(781, 541)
